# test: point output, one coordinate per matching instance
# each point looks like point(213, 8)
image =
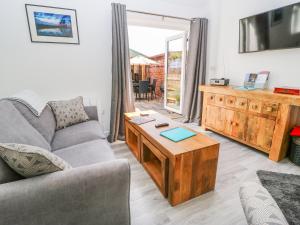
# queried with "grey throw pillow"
point(68, 112)
point(31, 161)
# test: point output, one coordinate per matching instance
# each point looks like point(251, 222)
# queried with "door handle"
point(254, 106)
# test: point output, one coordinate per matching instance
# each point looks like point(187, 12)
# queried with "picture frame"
point(49, 24)
point(249, 81)
point(256, 80)
point(262, 80)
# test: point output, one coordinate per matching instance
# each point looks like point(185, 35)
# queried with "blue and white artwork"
point(50, 24)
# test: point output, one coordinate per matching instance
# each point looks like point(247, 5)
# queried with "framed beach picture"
point(52, 25)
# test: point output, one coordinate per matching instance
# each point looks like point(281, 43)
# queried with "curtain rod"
point(154, 14)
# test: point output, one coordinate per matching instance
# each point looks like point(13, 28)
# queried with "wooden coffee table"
point(182, 170)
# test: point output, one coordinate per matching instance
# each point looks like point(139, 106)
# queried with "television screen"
point(276, 29)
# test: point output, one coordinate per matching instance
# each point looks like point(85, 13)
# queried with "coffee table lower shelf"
point(154, 170)
point(156, 164)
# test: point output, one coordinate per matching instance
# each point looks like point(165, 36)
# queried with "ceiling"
point(193, 3)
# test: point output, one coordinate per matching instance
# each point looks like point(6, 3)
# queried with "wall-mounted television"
point(276, 29)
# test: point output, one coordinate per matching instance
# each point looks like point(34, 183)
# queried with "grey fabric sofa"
point(94, 192)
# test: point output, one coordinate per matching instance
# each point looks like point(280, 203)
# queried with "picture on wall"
point(52, 24)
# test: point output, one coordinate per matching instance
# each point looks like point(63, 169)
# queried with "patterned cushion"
point(259, 206)
point(30, 161)
point(68, 112)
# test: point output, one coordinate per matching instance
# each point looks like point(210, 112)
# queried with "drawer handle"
point(231, 102)
point(234, 123)
point(220, 99)
point(269, 109)
point(254, 106)
point(212, 97)
point(242, 103)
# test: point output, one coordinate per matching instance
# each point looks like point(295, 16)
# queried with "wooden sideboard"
point(258, 118)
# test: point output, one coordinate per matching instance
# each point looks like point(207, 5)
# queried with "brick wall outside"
point(158, 71)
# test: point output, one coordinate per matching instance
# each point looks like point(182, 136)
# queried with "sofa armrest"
point(259, 206)
point(90, 195)
point(92, 112)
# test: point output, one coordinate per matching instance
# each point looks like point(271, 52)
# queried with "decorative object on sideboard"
point(219, 82)
point(287, 90)
point(257, 80)
point(52, 25)
point(262, 80)
point(249, 81)
point(253, 81)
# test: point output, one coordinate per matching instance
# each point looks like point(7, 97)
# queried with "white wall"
point(283, 64)
point(57, 71)
point(61, 71)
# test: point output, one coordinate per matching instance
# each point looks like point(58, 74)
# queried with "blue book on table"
point(177, 134)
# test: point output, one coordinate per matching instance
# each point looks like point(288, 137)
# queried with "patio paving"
point(158, 106)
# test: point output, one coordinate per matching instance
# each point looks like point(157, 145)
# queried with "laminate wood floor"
point(237, 164)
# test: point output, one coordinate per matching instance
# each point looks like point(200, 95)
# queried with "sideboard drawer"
point(255, 106)
point(220, 100)
point(241, 103)
point(270, 108)
point(230, 101)
point(211, 98)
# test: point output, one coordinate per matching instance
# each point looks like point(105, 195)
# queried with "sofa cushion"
point(45, 123)
point(14, 128)
point(76, 134)
point(31, 161)
point(87, 153)
point(68, 112)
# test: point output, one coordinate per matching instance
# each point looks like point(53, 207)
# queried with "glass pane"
point(174, 72)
